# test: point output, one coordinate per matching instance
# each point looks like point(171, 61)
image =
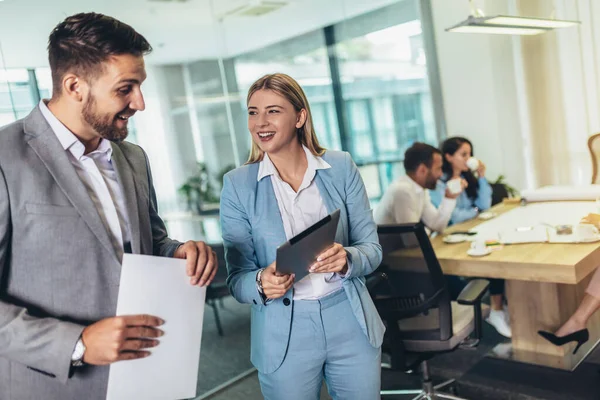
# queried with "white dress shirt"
point(96, 172)
point(405, 201)
point(299, 210)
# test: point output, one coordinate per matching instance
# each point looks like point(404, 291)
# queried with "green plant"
point(223, 171)
point(198, 188)
point(512, 192)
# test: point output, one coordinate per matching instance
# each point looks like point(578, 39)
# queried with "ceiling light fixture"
point(477, 22)
point(251, 8)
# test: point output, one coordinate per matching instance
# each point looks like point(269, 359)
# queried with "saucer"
point(455, 238)
point(475, 253)
point(486, 215)
point(590, 239)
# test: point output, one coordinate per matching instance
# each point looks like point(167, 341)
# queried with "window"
point(385, 88)
point(366, 79)
point(305, 59)
point(20, 91)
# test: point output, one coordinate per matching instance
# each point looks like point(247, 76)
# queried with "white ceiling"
point(178, 31)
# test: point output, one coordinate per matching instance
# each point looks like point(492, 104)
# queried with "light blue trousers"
point(325, 342)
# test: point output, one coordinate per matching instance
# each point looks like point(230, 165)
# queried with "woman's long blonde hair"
point(285, 86)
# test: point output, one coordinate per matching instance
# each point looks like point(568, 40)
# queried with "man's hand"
point(463, 185)
point(120, 338)
point(274, 284)
point(334, 259)
point(201, 262)
point(451, 195)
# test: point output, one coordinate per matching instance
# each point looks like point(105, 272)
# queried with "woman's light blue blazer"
point(253, 229)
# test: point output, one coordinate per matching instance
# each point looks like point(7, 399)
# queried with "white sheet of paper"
point(537, 234)
point(562, 193)
point(159, 286)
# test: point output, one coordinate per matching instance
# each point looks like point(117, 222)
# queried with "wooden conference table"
point(544, 284)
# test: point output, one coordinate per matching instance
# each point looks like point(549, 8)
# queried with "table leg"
point(537, 306)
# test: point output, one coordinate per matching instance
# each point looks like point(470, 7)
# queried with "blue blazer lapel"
point(332, 203)
point(267, 211)
point(324, 191)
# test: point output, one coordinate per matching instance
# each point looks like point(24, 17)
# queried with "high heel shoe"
point(581, 337)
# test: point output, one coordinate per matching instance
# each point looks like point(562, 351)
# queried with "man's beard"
point(103, 124)
point(430, 182)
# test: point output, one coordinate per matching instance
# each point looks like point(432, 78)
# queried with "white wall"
point(579, 62)
point(479, 88)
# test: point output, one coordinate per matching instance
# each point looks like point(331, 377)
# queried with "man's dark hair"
point(82, 42)
point(417, 154)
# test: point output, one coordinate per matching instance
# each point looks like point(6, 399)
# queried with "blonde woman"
point(324, 326)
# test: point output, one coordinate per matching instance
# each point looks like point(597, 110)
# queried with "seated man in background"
point(406, 200)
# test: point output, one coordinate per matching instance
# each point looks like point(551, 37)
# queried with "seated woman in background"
point(575, 329)
point(478, 194)
point(475, 198)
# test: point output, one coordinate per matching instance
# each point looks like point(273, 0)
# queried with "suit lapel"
point(266, 205)
point(129, 192)
point(328, 197)
point(324, 191)
point(45, 144)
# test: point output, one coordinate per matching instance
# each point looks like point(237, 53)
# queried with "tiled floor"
point(479, 377)
point(223, 358)
point(249, 389)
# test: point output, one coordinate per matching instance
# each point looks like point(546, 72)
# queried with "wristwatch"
point(77, 356)
point(259, 282)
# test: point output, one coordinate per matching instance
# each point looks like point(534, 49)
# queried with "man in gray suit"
point(73, 198)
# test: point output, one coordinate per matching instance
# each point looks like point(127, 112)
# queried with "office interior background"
point(379, 74)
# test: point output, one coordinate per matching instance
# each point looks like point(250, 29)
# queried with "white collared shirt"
point(96, 172)
point(405, 201)
point(299, 210)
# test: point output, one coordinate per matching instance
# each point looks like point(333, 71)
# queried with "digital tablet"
point(300, 252)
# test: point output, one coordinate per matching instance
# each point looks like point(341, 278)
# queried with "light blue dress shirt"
point(466, 207)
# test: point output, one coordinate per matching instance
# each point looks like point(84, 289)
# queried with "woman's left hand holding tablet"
point(275, 284)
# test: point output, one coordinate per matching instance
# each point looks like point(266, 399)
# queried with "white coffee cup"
point(473, 164)
point(454, 185)
point(586, 231)
point(478, 246)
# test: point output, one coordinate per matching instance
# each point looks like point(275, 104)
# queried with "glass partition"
point(363, 66)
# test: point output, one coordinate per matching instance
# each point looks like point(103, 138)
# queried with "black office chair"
point(217, 290)
point(413, 301)
point(499, 193)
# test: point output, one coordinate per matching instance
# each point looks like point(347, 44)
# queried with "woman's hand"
point(274, 284)
point(481, 169)
point(334, 259)
point(593, 219)
point(464, 184)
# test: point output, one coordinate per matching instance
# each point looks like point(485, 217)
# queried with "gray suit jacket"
point(58, 269)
